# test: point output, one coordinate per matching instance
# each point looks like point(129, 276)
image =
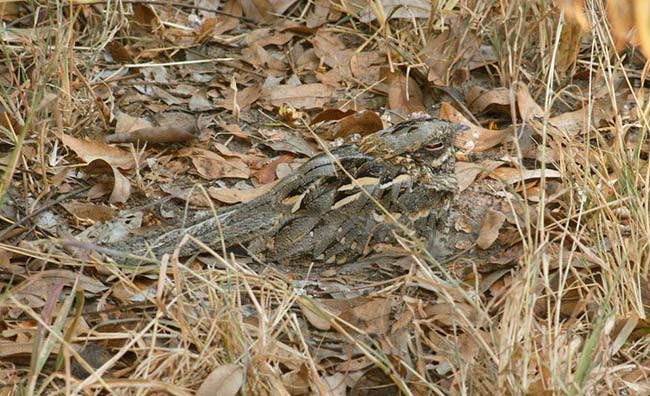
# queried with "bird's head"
point(427, 142)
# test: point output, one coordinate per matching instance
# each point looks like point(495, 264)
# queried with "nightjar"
point(317, 213)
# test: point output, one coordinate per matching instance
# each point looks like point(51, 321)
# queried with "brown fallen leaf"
point(366, 66)
point(95, 356)
point(480, 100)
point(568, 47)
point(225, 380)
point(266, 36)
point(364, 123)
point(205, 30)
point(235, 130)
point(89, 151)
point(369, 314)
point(155, 135)
point(249, 159)
point(258, 10)
point(407, 9)
point(126, 123)
point(121, 189)
point(212, 166)
point(226, 22)
point(466, 173)
point(476, 138)
point(267, 173)
point(235, 195)
point(306, 96)
point(528, 108)
point(242, 99)
point(332, 52)
point(9, 122)
point(512, 175)
point(37, 287)
point(193, 196)
point(119, 53)
point(330, 48)
point(289, 142)
point(621, 17)
point(89, 211)
point(404, 95)
point(331, 115)
point(297, 381)
point(598, 112)
point(490, 226)
point(319, 14)
point(10, 349)
point(145, 16)
point(436, 55)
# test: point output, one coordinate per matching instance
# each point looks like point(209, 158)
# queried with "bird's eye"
point(435, 146)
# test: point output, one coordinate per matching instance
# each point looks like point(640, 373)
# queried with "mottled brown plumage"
point(318, 214)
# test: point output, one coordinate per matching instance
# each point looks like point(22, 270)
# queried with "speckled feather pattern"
point(318, 214)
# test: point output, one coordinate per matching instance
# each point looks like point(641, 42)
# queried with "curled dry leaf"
point(490, 226)
point(162, 134)
point(225, 380)
point(211, 165)
point(121, 189)
point(89, 151)
point(476, 138)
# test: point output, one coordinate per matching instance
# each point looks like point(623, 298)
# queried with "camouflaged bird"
point(319, 214)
